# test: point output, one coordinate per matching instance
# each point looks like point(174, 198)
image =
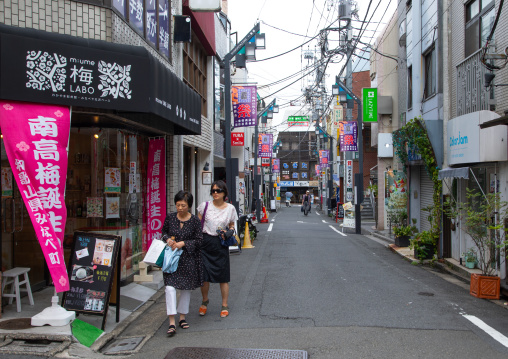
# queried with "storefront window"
point(105, 191)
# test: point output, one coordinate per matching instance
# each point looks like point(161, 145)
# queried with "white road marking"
point(270, 227)
point(339, 232)
point(323, 221)
point(300, 222)
point(487, 329)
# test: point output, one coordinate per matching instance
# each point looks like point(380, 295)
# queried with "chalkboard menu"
point(340, 210)
point(91, 267)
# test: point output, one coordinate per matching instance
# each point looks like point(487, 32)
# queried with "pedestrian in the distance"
point(218, 215)
point(184, 232)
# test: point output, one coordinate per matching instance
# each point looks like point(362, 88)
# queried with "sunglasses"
point(217, 190)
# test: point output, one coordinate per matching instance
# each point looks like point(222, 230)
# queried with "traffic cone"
point(246, 238)
point(265, 217)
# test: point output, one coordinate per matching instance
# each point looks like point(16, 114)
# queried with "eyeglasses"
point(217, 190)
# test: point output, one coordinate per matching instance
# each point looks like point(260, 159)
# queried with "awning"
point(127, 81)
point(461, 172)
point(503, 120)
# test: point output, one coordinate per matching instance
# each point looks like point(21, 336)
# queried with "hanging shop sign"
point(298, 121)
point(244, 99)
point(348, 136)
point(156, 189)
point(396, 190)
point(36, 138)
point(265, 162)
point(337, 116)
point(349, 180)
point(323, 158)
point(237, 138)
point(265, 145)
point(43, 67)
point(275, 165)
point(369, 104)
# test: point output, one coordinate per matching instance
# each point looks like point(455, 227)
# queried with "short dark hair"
point(184, 196)
point(221, 185)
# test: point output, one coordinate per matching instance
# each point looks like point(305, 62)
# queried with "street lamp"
point(250, 51)
point(231, 165)
point(260, 41)
point(275, 108)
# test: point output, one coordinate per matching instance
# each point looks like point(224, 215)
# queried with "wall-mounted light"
point(275, 108)
point(206, 167)
point(195, 150)
point(250, 51)
point(260, 41)
point(269, 114)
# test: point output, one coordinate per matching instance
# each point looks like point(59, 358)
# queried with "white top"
point(216, 217)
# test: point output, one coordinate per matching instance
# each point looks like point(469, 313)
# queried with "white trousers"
point(183, 301)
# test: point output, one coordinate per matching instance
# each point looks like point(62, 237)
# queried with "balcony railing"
point(472, 95)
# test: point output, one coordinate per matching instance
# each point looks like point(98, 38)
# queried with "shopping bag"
point(171, 258)
point(154, 251)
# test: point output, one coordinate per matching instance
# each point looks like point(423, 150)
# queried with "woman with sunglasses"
point(218, 215)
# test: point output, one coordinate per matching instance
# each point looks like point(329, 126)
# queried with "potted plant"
point(470, 258)
point(424, 245)
point(403, 234)
point(483, 217)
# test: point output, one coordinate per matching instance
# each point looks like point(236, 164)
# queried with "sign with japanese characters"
point(298, 121)
point(244, 99)
point(156, 189)
point(265, 162)
point(6, 182)
point(369, 104)
point(323, 158)
point(58, 69)
point(112, 180)
point(237, 139)
point(348, 136)
point(92, 265)
point(36, 138)
point(265, 144)
point(275, 165)
point(349, 180)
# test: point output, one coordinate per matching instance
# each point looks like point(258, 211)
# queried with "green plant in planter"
point(373, 189)
point(406, 230)
point(483, 218)
point(424, 244)
point(470, 258)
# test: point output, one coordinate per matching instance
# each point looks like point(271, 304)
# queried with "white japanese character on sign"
point(48, 174)
point(155, 171)
point(43, 126)
point(155, 224)
point(23, 178)
point(84, 75)
point(54, 258)
point(30, 193)
point(50, 197)
point(45, 232)
point(20, 164)
point(50, 241)
point(155, 197)
point(155, 211)
point(55, 221)
point(155, 184)
point(40, 218)
point(46, 150)
point(35, 204)
point(157, 156)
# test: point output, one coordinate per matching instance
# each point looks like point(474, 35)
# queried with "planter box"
point(402, 241)
point(470, 265)
point(483, 286)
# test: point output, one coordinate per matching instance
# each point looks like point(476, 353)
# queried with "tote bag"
point(154, 251)
point(171, 258)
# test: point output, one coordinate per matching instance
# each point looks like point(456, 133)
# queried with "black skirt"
point(215, 260)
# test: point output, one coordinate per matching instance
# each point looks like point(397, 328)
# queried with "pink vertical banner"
point(156, 189)
point(36, 138)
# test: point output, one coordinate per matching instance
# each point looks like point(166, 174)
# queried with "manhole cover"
point(227, 353)
point(33, 346)
point(16, 324)
point(427, 294)
point(123, 345)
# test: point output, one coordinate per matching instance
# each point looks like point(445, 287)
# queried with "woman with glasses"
point(182, 230)
point(217, 215)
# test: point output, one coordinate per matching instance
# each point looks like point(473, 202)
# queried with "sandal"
point(202, 311)
point(183, 324)
point(171, 330)
point(224, 311)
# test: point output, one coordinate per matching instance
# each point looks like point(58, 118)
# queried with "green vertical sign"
point(369, 104)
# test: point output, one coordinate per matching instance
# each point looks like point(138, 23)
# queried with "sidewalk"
point(19, 336)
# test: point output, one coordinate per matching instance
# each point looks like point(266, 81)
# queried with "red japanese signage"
point(237, 139)
point(156, 189)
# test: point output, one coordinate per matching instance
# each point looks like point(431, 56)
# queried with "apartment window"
point(194, 69)
point(430, 73)
point(410, 87)
point(480, 15)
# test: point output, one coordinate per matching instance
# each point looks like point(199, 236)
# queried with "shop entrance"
point(20, 246)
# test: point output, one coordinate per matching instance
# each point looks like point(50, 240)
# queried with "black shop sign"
point(93, 263)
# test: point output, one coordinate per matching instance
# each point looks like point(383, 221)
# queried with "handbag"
point(230, 238)
point(171, 258)
point(156, 248)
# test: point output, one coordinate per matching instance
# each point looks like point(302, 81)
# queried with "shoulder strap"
point(203, 216)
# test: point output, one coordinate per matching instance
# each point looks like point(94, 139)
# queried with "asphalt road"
point(306, 287)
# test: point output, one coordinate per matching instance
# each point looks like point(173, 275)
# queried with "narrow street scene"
point(253, 179)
